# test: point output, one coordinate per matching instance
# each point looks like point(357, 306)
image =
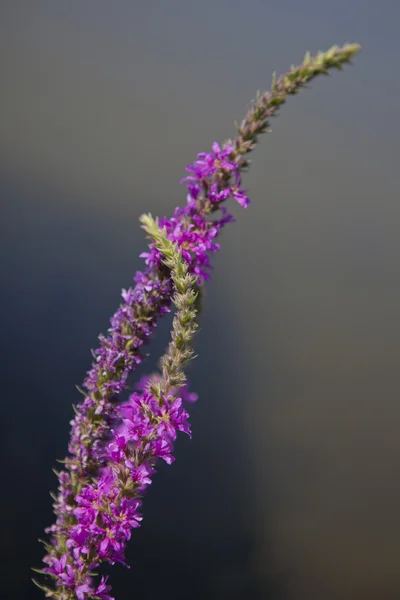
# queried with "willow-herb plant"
point(114, 446)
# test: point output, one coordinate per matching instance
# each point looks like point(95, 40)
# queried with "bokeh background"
point(289, 489)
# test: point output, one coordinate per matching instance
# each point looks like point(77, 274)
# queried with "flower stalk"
point(114, 447)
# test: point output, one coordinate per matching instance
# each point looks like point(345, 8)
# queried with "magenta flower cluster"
point(109, 508)
point(214, 177)
point(114, 447)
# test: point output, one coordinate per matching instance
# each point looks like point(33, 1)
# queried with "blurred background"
point(289, 489)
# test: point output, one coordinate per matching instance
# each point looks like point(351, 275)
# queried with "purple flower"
point(209, 163)
point(241, 197)
point(57, 566)
point(203, 173)
point(101, 592)
point(82, 590)
point(173, 417)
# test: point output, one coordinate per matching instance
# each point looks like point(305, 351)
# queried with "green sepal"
point(48, 546)
point(81, 391)
point(41, 572)
point(44, 588)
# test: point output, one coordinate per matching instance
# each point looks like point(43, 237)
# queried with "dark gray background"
point(289, 489)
